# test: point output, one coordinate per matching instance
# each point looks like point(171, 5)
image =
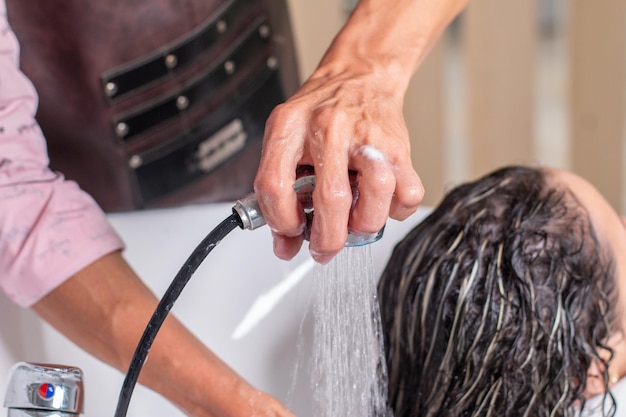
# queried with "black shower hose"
point(165, 305)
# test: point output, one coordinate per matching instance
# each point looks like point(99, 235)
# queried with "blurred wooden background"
point(534, 82)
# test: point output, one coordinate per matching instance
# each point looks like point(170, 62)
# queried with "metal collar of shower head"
point(250, 216)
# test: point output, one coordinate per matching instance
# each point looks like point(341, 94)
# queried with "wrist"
point(358, 59)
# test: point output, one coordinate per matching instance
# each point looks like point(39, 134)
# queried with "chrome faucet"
point(43, 390)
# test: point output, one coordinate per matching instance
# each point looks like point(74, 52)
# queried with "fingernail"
point(279, 249)
point(319, 258)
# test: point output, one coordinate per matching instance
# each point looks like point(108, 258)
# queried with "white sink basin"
point(212, 305)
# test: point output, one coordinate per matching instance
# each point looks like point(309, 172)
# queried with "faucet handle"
point(44, 390)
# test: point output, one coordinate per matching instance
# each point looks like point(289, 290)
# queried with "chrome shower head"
point(249, 213)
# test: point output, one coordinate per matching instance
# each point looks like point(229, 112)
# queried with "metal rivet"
point(121, 129)
point(171, 61)
point(110, 88)
point(264, 31)
point(182, 102)
point(229, 67)
point(272, 62)
point(221, 26)
point(135, 161)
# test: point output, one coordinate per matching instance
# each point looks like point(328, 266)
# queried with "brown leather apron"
point(151, 103)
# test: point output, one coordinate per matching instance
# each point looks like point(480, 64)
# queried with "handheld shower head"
point(249, 212)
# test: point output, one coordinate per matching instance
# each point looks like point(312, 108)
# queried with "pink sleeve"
point(49, 227)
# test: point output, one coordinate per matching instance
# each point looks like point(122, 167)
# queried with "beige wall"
point(315, 23)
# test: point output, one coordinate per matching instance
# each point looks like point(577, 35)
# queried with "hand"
point(348, 116)
point(245, 401)
point(341, 119)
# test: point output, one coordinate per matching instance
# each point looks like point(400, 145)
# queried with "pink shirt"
point(49, 227)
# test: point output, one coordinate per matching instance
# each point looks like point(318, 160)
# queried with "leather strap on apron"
point(151, 103)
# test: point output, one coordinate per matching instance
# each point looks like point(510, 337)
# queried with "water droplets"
point(348, 367)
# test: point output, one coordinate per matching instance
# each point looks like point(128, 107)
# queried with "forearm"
point(390, 36)
point(105, 308)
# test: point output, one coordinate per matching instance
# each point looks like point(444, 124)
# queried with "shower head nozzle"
point(250, 217)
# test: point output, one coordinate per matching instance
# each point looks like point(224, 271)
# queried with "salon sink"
point(213, 305)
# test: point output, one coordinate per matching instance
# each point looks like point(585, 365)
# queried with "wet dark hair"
point(498, 303)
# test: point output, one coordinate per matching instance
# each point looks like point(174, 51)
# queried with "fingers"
point(384, 190)
point(332, 200)
point(286, 247)
point(273, 184)
point(375, 185)
point(409, 192)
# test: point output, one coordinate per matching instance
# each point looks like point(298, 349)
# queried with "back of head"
point(497, 303)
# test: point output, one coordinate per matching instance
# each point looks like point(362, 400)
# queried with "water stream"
point(348, 372)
